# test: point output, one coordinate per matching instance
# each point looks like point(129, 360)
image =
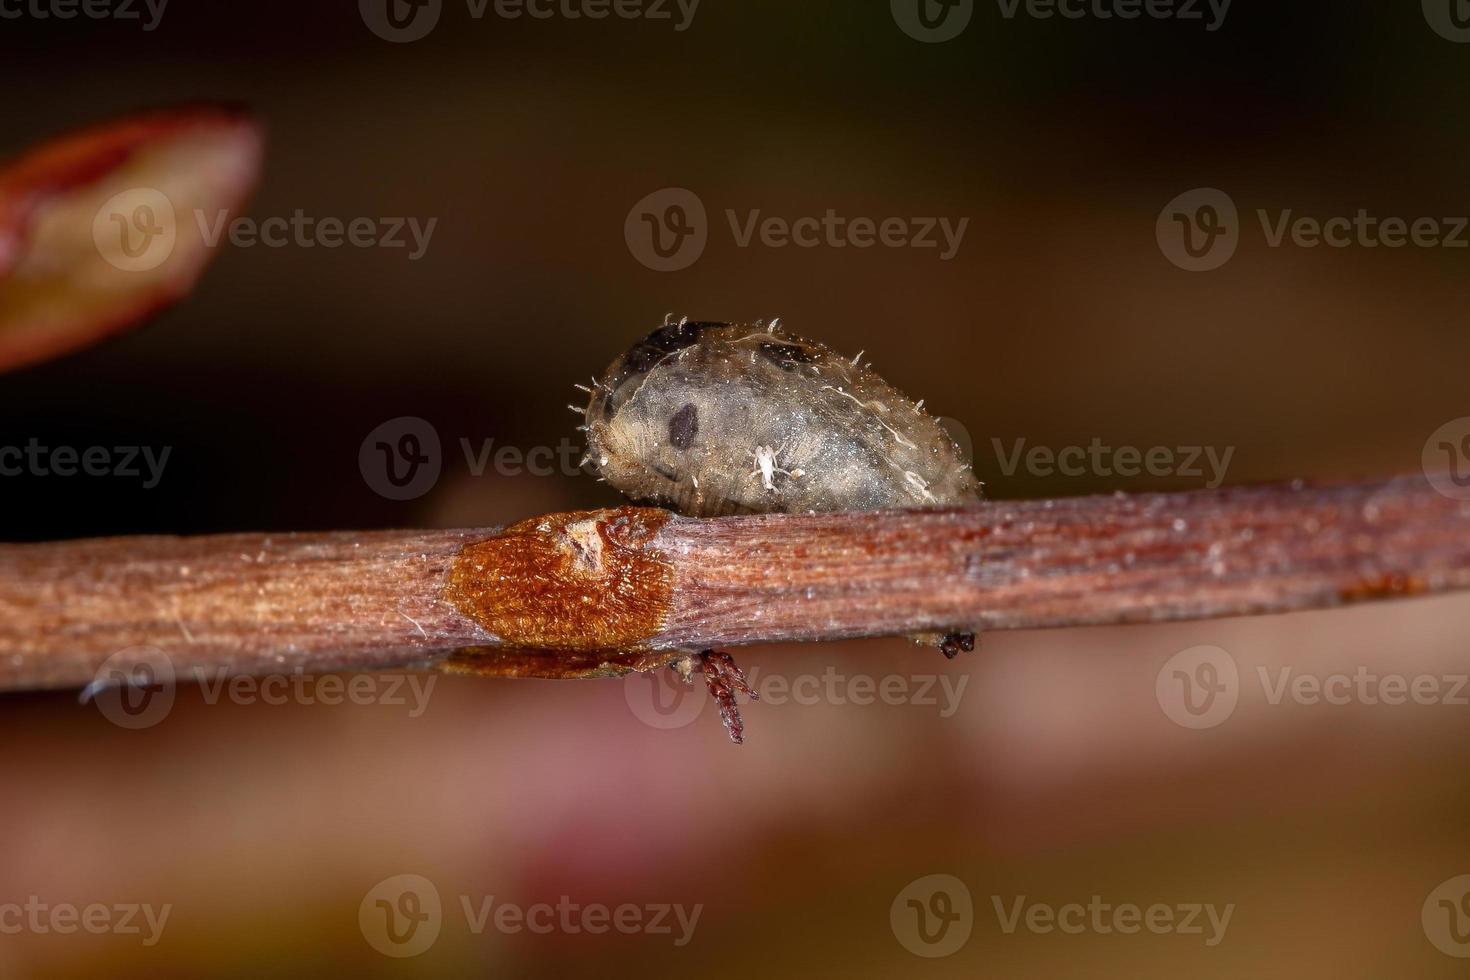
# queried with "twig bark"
point(637, 580)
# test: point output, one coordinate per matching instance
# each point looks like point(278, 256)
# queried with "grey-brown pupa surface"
point(712, 418)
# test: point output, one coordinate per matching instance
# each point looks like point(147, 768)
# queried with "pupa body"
point(711, 419)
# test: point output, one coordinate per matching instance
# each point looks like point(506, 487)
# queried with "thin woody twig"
point(594, 588)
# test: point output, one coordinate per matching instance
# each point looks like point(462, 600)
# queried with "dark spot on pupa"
point(664, 341)
point(684, 426)
point(665, 472)
point(787, 356)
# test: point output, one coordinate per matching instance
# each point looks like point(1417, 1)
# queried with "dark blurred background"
point(1059, 319)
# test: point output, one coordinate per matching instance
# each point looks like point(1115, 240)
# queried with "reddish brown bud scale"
point(585, 581)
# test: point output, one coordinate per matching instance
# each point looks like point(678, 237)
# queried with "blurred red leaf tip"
point(96, 226)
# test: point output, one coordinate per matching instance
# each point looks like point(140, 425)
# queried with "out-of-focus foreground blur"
point(1099, 249)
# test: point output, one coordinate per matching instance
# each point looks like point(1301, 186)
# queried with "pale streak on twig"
point(364, 600)
point(415, 623)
